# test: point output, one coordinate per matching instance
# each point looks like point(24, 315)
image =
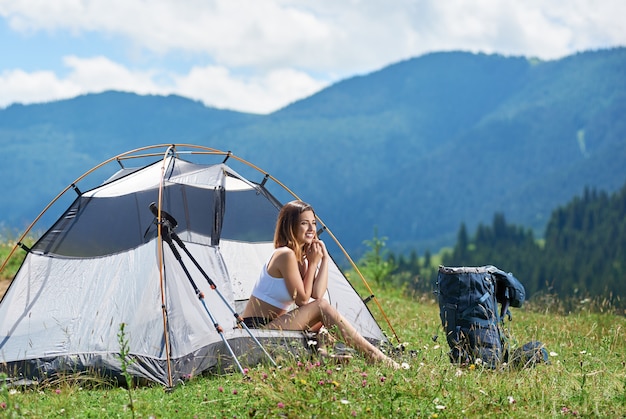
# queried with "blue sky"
point(260, 55)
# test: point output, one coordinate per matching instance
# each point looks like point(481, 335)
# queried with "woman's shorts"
point(256, 322)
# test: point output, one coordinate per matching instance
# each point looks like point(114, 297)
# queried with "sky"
point(260, 55)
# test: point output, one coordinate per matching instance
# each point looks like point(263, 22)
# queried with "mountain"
point(411, 150)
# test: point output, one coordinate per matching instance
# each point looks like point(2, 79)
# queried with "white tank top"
point(272, 290)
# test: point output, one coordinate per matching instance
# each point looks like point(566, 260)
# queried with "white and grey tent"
point(107, 262)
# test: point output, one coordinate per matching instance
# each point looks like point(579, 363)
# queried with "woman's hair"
point(288, 220)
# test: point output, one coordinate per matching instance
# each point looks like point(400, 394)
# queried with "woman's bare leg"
point(320, 310)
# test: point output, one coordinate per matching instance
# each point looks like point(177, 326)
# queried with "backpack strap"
point(477, 320)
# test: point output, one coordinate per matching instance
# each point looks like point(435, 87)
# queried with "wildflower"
point(511, 400)
point(3, 405)
point(472, 367)
point(553, 354)
point(436, 347)
point(583, 352)
point(280, 405)
point(220, 389)
point(353, 413)
point(440, 407)
point(479, 361)
point(321, 382)
point(458, 373)
point(264, 376)
point(363, 374)
point(302, 381)
point(364, 383)
point(235, 391)
point(383, 379)
point(245, 371)
point(329, 372)
point(344, 401)
point(57, 391)
point(336, 384)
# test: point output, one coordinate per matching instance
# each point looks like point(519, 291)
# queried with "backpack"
point(468, 308)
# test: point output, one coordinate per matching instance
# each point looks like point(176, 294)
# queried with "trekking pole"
point(167, 226)
point(213, 286)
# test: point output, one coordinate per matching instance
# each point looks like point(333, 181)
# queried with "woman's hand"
point(315, 252)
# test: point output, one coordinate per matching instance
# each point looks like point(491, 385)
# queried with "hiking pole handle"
point(165, 216)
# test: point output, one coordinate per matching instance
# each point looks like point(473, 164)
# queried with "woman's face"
point(307, 225)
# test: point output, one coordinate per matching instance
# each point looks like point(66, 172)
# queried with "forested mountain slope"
point(413, 149)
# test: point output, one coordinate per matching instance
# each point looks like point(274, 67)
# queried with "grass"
point(586, 378)
point(7, 242)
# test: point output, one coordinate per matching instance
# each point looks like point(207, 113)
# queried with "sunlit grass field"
point(586, 378)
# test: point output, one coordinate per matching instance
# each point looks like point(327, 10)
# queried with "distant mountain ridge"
point(413, 149)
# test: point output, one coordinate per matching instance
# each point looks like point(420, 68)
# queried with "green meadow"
point(586, 377)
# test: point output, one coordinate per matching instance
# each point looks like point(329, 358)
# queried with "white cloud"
point(260, 55)
point(216, 86)
point(86, 75)
point(213, 85)
point(326, 35)
point(17, 86)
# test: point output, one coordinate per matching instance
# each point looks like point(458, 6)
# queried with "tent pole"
point(161, 276)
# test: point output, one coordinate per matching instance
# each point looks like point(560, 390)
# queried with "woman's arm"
point(321, 278)
point(285, 265)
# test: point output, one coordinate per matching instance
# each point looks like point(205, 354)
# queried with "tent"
point(105, 271)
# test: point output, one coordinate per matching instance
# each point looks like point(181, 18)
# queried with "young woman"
point(298, 272)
